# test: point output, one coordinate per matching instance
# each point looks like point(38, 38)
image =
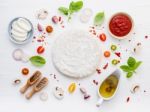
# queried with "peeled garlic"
point(42, 14)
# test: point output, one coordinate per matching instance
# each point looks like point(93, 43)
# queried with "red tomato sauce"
point(120, 25)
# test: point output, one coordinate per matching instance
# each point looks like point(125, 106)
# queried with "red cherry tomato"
point(102, 37)
point(40, 49)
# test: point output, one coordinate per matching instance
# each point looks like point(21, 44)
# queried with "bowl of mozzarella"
point(20, 30)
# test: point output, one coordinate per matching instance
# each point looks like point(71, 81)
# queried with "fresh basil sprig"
point(37, 61)
point(131, 66)
point(73, 7)
point(99, 18)
point(64, 10)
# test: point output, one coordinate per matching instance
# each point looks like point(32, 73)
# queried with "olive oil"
point(108, 87)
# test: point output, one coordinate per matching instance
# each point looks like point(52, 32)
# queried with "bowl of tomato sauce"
point(120, 25)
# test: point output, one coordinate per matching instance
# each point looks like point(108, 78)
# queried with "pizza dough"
point(76, 53)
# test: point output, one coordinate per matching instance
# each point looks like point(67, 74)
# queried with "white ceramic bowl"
point(121, 37)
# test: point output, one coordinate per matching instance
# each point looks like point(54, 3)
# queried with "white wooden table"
point(12, 100)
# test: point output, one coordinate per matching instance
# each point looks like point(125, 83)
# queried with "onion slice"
point(86, 15)
point(17, 54)
point(43, 96)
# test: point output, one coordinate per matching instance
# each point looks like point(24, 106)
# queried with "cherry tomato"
point(49, 29)
point(25, 71)
point(102, 37)
point(40, 49)
point(107, 54)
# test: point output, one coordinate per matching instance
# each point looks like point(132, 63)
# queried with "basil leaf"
point(75, 6)
point(131, 62)
point(37, 61)
point(64, 10)
point(125, 68)
point(129, 74)
point(137, 65)
point(99, 18)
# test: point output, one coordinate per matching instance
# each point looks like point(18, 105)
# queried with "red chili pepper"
point(98, 71)
point(128, 99)
point(59, 19)
point(118, 54)
point(102, 37)
point(40, 49)
point(146, 37)
point(105, 66)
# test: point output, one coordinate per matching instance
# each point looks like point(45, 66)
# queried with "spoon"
point(31, 81)
point(43, 82)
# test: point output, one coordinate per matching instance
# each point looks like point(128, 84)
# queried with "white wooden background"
point(12, 100)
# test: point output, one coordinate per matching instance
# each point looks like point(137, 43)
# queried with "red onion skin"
point(40, 28)
point(55, 19)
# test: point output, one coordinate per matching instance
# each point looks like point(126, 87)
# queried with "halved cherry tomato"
point(40, 49)
point(107, 54)
point(102, 37)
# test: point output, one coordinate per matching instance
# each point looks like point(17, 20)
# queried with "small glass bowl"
point(29, 35)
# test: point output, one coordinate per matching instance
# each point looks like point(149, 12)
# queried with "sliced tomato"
point(107, 54)
point(40, 49)
point(25, 71)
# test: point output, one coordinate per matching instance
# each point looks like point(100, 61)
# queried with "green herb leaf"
point(131, 62)
point(125, 68)
point(131, 67)
point(137, 65)
point(75, 6)
point(37, 61)
point(64, 10)
point(129, 74)
point(99, 18)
